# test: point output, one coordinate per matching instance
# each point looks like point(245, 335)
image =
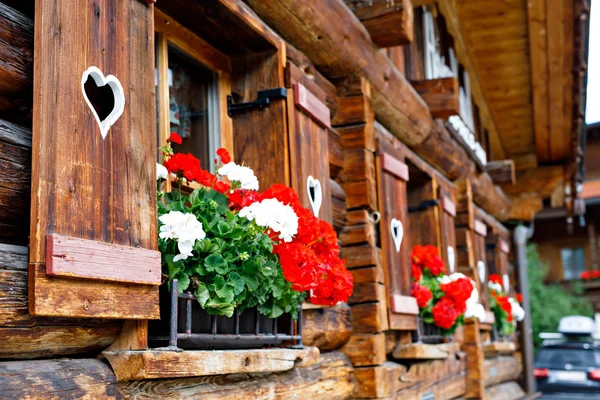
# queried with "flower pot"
point(191, 327)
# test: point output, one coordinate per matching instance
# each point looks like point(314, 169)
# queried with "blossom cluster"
point(444, 300)
point(507, 310)
point(589, 275)
point(307, 248)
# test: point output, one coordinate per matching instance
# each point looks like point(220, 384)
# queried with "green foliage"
point(234, 266)
point(549, 303)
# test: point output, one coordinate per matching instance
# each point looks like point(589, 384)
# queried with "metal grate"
point(190, 327)
point(429, 333)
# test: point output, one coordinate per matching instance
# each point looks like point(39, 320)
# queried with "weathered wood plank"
point(505, 391)
point(441, 95)
point(502, 171)
point(27, 337)
point(152, 364)
point(79, 258)
point(365, 349)
point(501, 369)
point(388, 23)
point(330, 379)
point(16, 64)
point(327, 328)
point(420, 351)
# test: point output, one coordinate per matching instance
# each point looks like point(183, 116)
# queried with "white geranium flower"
point(238, 173)
point(161, 171)
point(271, 213)
point(184, 228)
point(446, 279)
point(517, 310)
point(474, 308)
point(495, 286)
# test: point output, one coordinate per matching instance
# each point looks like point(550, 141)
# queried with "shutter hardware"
point(424, 205)
point(263, 99)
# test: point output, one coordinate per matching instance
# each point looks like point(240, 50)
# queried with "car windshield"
point(558, 358)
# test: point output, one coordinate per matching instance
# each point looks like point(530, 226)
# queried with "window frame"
point(171, 33)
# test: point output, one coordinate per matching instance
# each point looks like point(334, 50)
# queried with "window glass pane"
point(192, 107)
point(573, 262)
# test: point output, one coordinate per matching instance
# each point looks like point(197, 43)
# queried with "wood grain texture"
point(330, 379)
point(388, 23)
point(15, 182)
point(341, 50)
point(503, 171)
point(79, 258)
point(327, 328)
point(495, 348)
point(82, 185)
point(16, 67)
point(305, 100)
point(28, 337)
point(501, 369)
point(420, 351)
point(441, 95)
point(505, 391)
point(366, 349)
point(152, 364)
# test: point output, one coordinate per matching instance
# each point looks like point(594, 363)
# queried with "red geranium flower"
point(422, 294)
point(595, 274)
point(496, 278)
point(416, 272)
point(427, 257)
point(175, 138)
point(519, 297)
point(224, 154)
point(444, 313)
point(585, 275)
point(459, 292)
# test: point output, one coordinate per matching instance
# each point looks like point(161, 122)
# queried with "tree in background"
point(551, 302)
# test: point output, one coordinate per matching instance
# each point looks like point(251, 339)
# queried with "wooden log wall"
point(331, 378)
point(340, 50)
point(27, 337)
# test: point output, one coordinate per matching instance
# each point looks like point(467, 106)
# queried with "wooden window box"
point(185, 325)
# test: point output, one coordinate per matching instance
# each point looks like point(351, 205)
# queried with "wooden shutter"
point(93, 198)
point(479, 239)
point(447, 215)
point(393, 175)
point(308, 123)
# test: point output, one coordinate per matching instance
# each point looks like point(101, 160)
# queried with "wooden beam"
point(490, 197)
point(525, 206)
point(155, 364)
point(332, 378)
point(441, 95)
point(16, 69)
point(502, 171)
point(421, 351)
point(390, 23)
point(326, 328)
point(463, 53)
point(542, 180)
point(342, 50)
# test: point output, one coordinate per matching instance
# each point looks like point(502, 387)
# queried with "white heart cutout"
point(315, 194)
point(481, 271)
point(397, 231)
point(119, 97)
point(506, 282)
point(451, 258)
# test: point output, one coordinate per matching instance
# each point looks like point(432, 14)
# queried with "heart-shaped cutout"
point(481, 270)
point(397, 231)
point(104, 96)
point(315, 194)
point(506, 282)
point(451, 258)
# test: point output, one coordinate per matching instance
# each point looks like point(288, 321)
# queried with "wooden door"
point(394, 230)
point(309, 124)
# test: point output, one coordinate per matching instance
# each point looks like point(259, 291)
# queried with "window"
point(573, 262)
point(192, 80)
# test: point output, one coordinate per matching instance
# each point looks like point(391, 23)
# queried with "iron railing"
point(429, 333)
point(191, 327)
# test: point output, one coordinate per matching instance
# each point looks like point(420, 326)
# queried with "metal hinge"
point(264, 98)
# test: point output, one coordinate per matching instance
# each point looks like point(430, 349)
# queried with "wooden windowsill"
point(421, 351)
point(159, 364)
point(494, 348)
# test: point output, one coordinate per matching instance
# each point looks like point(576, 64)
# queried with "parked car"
point(568, 364)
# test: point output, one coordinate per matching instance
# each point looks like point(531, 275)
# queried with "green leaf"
point(174, 266)
point(279, 286)
point(236, 282)
point(183, 282)
point(223, 290)
point(223, 227)
point(216, 263)
point(202, 294)
point(218, 307)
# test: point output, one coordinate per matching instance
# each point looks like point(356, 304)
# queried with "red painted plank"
point(81, 258)
point(394, 166)
point(448, 205)
point(504, 247)
point(480, 228)
point(404, 304)
point(311, 105)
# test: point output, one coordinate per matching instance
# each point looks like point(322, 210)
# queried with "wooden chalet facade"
point(425, 122)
